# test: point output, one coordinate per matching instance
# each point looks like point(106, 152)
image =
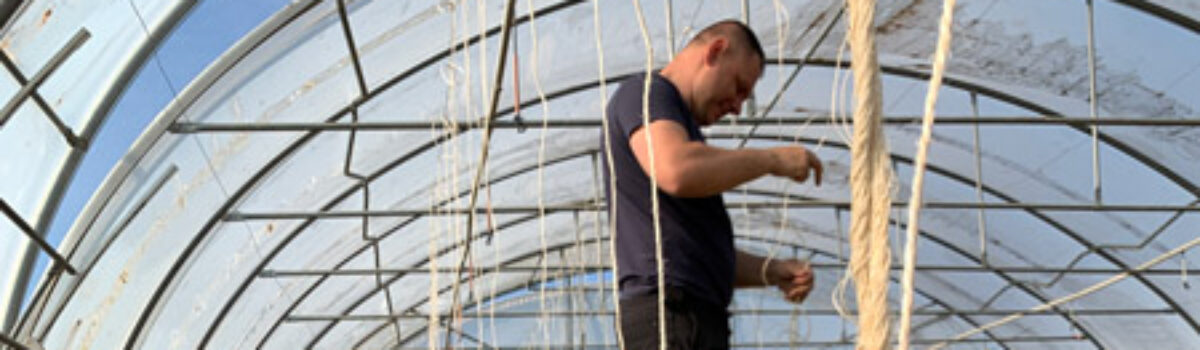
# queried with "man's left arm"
point(793, 277)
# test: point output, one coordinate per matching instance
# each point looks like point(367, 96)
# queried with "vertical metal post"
point(569, 330)
point(979, 182)
point(599, 227)
point(579, 269)
point(1091, 36)
point(750, 101)
point(746, 12)
point(793, 339)
point(841, 256)
point(670, 29)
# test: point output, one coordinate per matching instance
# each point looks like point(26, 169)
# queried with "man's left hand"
point(793, 277)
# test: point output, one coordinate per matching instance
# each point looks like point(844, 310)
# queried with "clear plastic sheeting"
point(37, 157)
point(255, 214)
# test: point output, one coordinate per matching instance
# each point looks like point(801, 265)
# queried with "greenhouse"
point(384, 174)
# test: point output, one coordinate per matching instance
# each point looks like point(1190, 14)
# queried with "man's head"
point(742, 37)
point(717, 70)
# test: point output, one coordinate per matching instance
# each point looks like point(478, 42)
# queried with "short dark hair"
point(732, 28)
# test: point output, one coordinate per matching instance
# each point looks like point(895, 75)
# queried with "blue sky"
point(209, 29)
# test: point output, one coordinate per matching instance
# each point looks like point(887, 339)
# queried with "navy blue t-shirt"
point(696, 232)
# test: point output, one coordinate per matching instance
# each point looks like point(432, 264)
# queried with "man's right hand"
point(796, 162)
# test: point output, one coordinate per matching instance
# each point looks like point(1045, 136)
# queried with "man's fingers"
point(809, 162)
point(803, 270)
point(807, 283)
point(798, 294)
point(789, 287)
point(793, 296)
point(803, 281)
point(800, 271)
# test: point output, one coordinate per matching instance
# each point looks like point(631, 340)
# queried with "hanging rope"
point(541, 172)
point(609, 163)
point(658, 248)
point(483, 157)
point(918, 184)
point(870, 180)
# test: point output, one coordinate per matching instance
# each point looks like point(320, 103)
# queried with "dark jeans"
point(692, 323)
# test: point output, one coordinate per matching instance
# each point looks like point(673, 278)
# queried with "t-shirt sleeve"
point(663, 105)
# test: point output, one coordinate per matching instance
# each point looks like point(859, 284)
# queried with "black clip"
point(520, 123)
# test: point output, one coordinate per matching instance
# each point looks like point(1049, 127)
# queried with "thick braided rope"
point(870, 179)
point(914, 203)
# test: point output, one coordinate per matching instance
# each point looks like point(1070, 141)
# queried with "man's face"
point(725, 85)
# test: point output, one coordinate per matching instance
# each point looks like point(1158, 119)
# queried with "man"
point(708, 79)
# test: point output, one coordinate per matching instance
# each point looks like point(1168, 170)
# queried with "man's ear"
point(714, 50)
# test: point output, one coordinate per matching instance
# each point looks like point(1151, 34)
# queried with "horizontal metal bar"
point(33, 235)
point(193, 127)
point(823, 344)
point(1016, 339)
point(796, 204)
point(1032, 269)
point(992, 205)
point(30, 87)
point(6, 340)
point(1047, 121)
point(239, 216)
point(762, 312)
point(594, 268)
point(372, 272)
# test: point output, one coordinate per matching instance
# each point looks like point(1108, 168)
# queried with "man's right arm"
point(687, 168)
